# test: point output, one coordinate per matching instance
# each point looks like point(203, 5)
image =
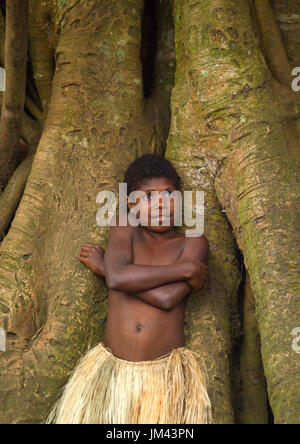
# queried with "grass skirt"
point(104, 389)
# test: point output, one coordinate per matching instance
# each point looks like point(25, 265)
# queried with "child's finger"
point(84, 260)
point(87, 251)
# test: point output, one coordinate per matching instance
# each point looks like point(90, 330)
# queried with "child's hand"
point(93, 256)
point(199, 275)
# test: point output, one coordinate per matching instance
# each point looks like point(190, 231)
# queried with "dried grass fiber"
point(104, 389)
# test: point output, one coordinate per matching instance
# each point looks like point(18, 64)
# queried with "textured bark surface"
point(52, 307)
point(229, 128)
point(254, 408)
point(287, 13)
point(276, 55)
point(101, 91)
point(16, 40)
point(44, 30)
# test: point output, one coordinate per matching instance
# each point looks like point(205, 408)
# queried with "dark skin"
point(150, 272)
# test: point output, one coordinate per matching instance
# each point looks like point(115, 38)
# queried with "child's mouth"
point(161, 217)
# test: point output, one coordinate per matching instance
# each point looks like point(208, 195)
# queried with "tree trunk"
point(287, 13)
point(229, 128)
point(53, 308)
point(101, 91)
point(16, 42)
point(253, 386)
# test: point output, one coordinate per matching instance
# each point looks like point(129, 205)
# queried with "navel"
point(139, 327)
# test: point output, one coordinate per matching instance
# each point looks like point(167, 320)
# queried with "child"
point(142, 373)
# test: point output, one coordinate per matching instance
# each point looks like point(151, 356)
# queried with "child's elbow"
point(112, 281)
point(167, 305)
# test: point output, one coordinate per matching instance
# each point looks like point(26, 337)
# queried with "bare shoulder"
point(196, 248)
point(121, 228)
point(199, 241)
point(119, 248)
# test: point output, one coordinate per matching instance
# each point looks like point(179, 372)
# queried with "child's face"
point(154, 211)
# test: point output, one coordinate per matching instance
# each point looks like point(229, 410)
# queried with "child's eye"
point(148, 196)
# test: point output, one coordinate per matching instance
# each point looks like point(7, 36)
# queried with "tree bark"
point(287, 13)
point(230, 131)
point(229, 134)
point(274, 49)
point(2, 39)
point(43, 35)
point(253, 386)
point(16, 43)
point(98, 122)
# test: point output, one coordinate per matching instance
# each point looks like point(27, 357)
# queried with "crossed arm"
point(162, 286)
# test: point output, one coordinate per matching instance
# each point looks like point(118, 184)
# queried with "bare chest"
point(156, 253)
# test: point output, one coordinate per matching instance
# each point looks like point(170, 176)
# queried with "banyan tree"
point(211, 85)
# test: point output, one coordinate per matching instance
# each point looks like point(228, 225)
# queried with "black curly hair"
point(149, 166)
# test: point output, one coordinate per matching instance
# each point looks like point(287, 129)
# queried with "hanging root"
point(16, 44)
